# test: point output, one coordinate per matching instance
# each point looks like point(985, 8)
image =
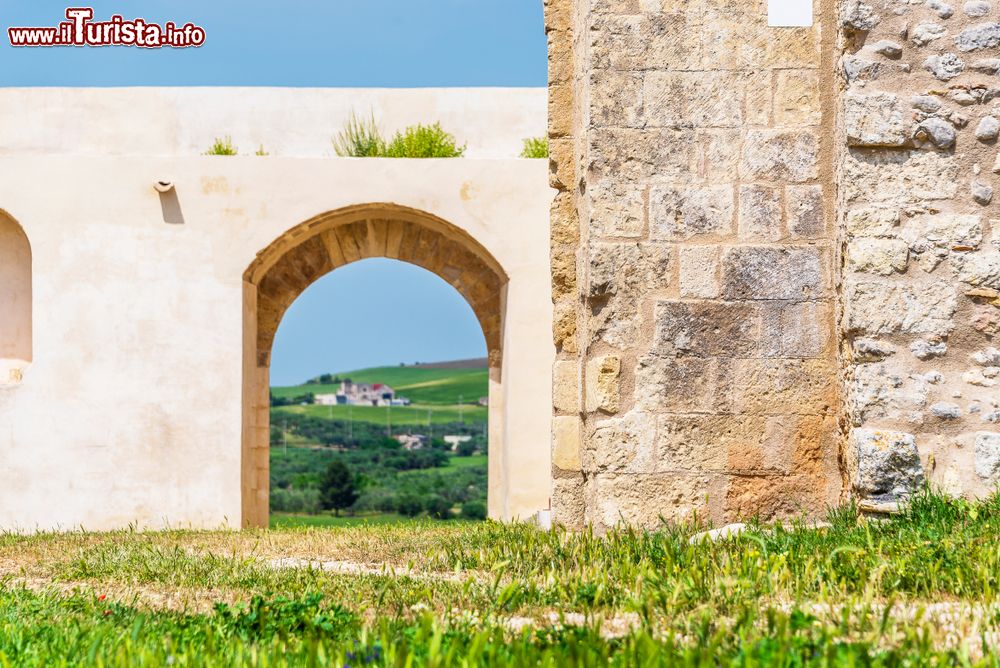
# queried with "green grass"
point(920, 589)
point(422, 386)
point(400, 416)
point(291, 520)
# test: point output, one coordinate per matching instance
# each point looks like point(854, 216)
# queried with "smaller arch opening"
point(15, 301)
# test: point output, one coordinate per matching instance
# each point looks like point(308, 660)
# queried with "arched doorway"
point(15, 301)
point(283, 270)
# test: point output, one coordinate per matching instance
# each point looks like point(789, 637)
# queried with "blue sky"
point(373, 312)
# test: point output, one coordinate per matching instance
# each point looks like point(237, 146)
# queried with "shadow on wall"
point(15, 301)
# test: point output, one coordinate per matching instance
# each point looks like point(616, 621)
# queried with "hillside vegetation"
point(420, 385)
point(921, 589)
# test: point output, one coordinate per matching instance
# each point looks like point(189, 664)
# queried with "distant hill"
point(477, 363)
point(432, 384)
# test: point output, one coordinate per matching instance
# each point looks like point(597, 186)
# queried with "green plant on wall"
point(261, 151)
point(535, 147)
point(222, 147)
point(361, 138)
point(423, 141)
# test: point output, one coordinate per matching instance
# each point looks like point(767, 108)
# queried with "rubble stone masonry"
point(775, 273)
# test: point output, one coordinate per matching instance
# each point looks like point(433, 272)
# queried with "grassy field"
point(400, 415)
point(421, 386)
point(291, 520)
point(920, 589)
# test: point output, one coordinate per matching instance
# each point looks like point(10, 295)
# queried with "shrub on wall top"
point(361, 138)
point(222, 147)
point(535, 147)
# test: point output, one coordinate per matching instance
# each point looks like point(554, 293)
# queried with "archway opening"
point(288, 266)
point(15, 301)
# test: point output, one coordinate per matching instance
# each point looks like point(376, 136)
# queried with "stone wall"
point(694, 258)
point(921, 262)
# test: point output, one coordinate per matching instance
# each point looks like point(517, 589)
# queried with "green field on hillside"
point(403, 416)
point(421, 386)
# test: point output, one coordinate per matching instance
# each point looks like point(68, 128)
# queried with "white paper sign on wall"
point(783, 13)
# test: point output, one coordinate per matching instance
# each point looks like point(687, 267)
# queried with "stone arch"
point(15, 301)
point(309, 251)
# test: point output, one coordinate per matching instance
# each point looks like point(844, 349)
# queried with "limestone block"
point(980, 270)
point(872, 221)
point(760, 213)
point(858, 16)
point(762, 272)
point(883, 465)
point(804, 207)
point(699, 271)
point(636, 42)
point(782, 386)
point(951, 231)
point(796, 98)
point(988, 455)
point(566, 443)
point(625, 444)
point(617, 209)
point(647, 501)
point(564, 320)
point(564, 220)
point(780, 155)
point(944, 67)
point(566, 387)
point(706, 329)
point(681, 213)
point(563, 273)
point(898, 178)
point(632, 155)
point(561, 110)
point(569, 501)
point(976, 8)
point(796, 329)
point(616, 99)
point(674, 98)
point(603, 384)
point(925, 33)
point(874, 307)
point(681, 384)
point(628, 268)
point(877, 256)
point(701, 443)
point(721, 154)
point(875, 120)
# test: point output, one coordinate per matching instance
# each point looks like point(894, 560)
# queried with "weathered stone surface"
point(937, 131)
point(953, 231)
point(981, 36)
point(702, 443)
point(987, 357)
point(682, 213)
point(857, 69)
point(780, 155)
point(804, 207)
point(976, 8)
point(884, 465)
point(980, 270)
point(946, 410)
point(681, 384)
point(796, 329)
point(988, 129)
point(780, 497)
point(796, 98)
point(877, 256)
point(699, 271)
point(888, 48)
point(706, 329)
point(925, 33)
point(982, 193)
point(898, 177)
point(944, 67)
point(641, 41)
point(925, 350)
point(858, 16)
point(872, 222)
point(760, 213)
point(871, 350)
point(615, 99)
point(674, 98)
point(874, 307)
point(926, 103)
point(619, 274)
point(566, 387)
point(875, 120)
point(617, 209)
point(603, 384)
point(569, 501)
point(763, 272)
point(647, 501)
point(566, 443)
point(783, 387)
point(942, 9)
point(564, 327)
point(631, 154)
point(625, 444)
point(988, 456)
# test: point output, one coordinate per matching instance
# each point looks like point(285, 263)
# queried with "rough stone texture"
point(988, 456)
point(931, 198)
point(703, 276)
point(566, 443)
point(875, 120)
point(883, 465)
